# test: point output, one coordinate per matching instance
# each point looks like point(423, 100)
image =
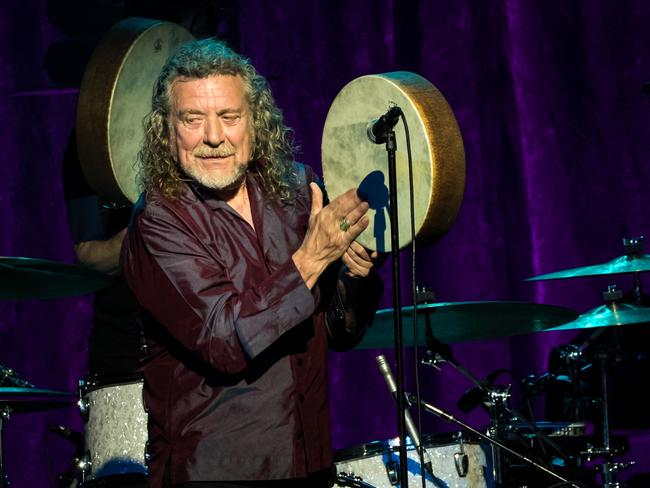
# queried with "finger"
point(357, 228)
point(361, 251)
point(358, 259)
point(353, 269)
point(345, 202)
point(357, 212)
point(316, 199)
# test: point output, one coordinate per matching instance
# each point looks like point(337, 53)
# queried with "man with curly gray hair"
point(245, 278)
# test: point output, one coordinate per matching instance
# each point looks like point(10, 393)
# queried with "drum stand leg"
point(610, 468)
point(5, 412)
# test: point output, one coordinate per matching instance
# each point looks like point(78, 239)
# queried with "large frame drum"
point(350, 159)
point(114, 98)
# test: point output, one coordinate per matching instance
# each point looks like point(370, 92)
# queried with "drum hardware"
point(492, 440)
point(496, 399)
point(349, 479)
point(8, 377)
point(38, 278)
point(612, 314)
point(461, 460)
point(16, 400)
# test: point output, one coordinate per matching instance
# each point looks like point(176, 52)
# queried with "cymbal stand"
point(634, 247)
point(5, 413)
point(495, 397)
point(494, 442)
point(610, 468)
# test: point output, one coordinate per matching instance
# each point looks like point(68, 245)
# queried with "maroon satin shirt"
point(236, 375)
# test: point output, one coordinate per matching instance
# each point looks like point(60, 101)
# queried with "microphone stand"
point(391, 148)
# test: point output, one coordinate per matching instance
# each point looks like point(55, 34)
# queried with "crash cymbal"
point(466, 321)
point(623, 264)
point(612, 314)
point(27, 400)
point(39, 278)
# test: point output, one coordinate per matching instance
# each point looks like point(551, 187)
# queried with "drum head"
point(351, 160)
point(114, 98)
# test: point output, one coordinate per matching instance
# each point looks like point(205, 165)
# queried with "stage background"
point(556, 130)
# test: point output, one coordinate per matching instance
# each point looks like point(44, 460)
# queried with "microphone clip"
point(378, 129)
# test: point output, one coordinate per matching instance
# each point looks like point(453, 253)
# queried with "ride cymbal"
point(39, 278)
point(466, 321)
point(624, 264)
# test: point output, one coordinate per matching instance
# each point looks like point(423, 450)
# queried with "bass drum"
point(115, 96)
point(115, 431)
point(457, 463)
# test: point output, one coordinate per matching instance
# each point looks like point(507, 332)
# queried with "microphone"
point(378, 128)
point(410, 426)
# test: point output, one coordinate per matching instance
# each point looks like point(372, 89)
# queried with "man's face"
point(211, 129)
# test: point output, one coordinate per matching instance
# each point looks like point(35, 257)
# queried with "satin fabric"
point(236, 378)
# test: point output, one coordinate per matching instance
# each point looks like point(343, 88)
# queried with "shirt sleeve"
point(189, 291)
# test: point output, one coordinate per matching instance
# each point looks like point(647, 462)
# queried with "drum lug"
point(392, 471)
point(84, 408)
point(84, 465)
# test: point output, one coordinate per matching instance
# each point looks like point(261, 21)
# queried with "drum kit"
point(27, 278)
point(115, 422)
point(516, 450)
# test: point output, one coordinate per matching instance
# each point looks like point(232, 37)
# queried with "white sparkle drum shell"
point(115, 431)
point(351, 160)
point(115, 96)
point(375, 463)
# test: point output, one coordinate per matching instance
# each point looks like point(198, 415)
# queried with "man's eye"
point(230, 119)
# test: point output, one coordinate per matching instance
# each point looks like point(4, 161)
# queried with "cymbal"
point(27, 400)
point(622, 264)
point(466, 321)
point(612, 314)
point(39, 278)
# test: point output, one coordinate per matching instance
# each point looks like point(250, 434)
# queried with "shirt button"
point(301, 398)
point(299, 362)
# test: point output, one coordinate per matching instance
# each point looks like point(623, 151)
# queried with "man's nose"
point(213, 135)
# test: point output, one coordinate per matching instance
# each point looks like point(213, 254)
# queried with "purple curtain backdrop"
point(548, 99)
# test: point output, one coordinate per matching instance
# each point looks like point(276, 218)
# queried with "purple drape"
point(548, 99)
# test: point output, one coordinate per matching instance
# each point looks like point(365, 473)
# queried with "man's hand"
point(358, 261)
point(331, 231)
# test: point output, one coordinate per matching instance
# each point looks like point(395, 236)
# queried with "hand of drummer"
point(332, 229)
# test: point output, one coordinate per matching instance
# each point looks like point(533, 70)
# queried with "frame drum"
point(114, 98)
point(351, 160)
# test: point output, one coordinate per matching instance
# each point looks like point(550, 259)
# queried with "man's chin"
point(221, 184)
